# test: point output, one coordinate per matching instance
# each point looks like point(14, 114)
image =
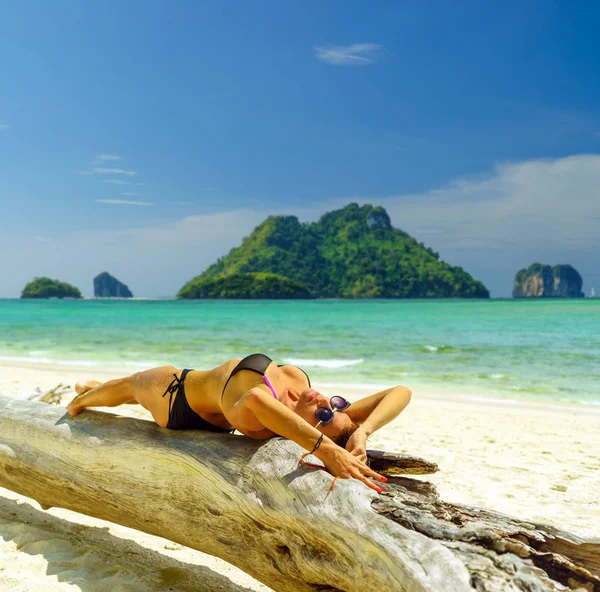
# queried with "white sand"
point(540, 462)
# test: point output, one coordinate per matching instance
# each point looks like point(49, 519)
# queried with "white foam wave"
point(431, 348)
point(76, 363)
point(44, 360)
point(322, 363)
point(31, 359)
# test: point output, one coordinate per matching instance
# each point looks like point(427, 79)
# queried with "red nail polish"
point(384, 479)
point(378, 490)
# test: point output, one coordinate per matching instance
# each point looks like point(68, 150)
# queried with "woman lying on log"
point(259, 399)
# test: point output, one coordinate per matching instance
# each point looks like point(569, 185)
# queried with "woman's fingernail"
point(378, 490)
point(384, 479)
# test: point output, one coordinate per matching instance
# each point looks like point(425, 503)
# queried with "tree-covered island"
point(44, 287)
point(353, 252)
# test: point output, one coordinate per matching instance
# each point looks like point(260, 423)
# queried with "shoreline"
point(109, 372)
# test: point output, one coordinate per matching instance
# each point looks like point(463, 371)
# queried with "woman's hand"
point(357, 445)
point(340, 463)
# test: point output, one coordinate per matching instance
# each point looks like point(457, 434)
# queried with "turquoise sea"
point(514, 349)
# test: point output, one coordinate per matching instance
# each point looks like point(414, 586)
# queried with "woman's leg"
point(108, 394)
point(83, 386)
point(146, 388)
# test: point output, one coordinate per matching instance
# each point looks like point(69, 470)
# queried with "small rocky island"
point(107, 286)
point(354, 252)
point(45, 287)
point(543, 281)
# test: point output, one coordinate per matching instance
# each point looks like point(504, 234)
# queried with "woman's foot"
point(72, 408)
point(83, 386)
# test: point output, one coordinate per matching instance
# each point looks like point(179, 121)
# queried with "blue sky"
point(476, 124)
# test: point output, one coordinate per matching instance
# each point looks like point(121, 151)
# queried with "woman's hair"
point(343, 438)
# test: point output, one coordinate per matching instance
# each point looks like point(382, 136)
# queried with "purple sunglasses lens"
point(324, 414)
point(338, 402)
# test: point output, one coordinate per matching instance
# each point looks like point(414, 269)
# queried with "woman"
point(261, 400)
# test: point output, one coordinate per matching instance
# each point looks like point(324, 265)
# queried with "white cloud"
point(105, 157)
point(133, 193)
point(117, 182)
point(358, 54)
point(124, 202)
point(526, 203)
point(83, 173)
point(104, 171)
point(4, 126)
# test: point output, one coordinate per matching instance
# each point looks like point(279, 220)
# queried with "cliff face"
point(543, 281)
point(353, 252)
point(106, 286)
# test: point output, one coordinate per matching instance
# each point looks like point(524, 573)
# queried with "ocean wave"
point(495, 376)
point(322, 363)
point(439, 348)
point(29, 359)
point(42, 360)
point(76, 363)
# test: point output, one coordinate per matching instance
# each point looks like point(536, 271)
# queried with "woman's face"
point(308, 401)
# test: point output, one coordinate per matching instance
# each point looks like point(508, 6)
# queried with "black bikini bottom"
point(181, 415)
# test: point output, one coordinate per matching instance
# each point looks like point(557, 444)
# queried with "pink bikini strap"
point(270, 386)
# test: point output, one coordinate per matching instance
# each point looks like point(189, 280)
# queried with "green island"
point(353, 252)
point(44, 287)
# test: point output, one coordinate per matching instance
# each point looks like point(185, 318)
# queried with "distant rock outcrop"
point(45, 287)
point(106, 286)
point(543, 281)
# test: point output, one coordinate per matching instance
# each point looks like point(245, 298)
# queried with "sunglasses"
point(324, 415)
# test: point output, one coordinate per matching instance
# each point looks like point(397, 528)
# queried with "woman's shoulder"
point(295, 373)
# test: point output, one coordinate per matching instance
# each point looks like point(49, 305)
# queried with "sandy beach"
point(535, 461)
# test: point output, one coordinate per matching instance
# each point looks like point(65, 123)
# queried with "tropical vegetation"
point(45, 287)
point(353, 252)
point(244, 285)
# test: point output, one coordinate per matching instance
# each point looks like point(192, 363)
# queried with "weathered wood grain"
point(249, 503)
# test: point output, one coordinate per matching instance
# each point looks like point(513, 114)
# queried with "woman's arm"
point(257, 409)
point(375, 411)
point(372, 413)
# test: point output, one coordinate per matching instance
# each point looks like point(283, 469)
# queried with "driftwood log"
point(250, 504)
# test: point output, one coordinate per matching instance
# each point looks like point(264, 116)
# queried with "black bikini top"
point(257, 363)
